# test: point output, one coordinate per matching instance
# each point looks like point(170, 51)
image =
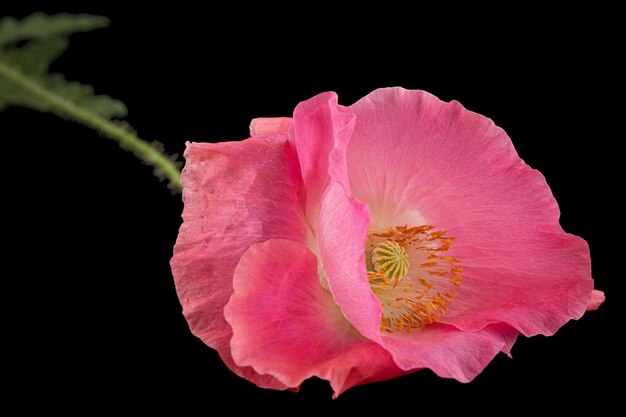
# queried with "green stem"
point(67, 109)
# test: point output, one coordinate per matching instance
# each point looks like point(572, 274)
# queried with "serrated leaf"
point(10, 95)
point(81, 94)
point(46, 41)
point(24, 81)
point(35, 57)
point(42, 26)
point(84, 96)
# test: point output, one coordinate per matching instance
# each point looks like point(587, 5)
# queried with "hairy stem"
point(64, 108)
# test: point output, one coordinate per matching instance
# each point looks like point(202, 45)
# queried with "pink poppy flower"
point(360, 243)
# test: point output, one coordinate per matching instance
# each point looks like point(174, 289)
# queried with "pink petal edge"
point(235, 194)
point(340, 223)
point(270, 125)
point(597, 298)
point(448, 351)
point(320, 135)
point(287, 326)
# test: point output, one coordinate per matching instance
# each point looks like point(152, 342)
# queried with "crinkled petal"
point(597, 298)
point(448, 351)
point(340, 223)
point(270, 125)
point(236, 194)
point(417, 160)
point(287, 326)
point(342, 234)
point(321, 131)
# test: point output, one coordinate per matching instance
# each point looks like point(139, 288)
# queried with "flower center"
point(410, 276)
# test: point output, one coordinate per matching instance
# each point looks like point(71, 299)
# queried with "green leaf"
point(84, 96)
point(46, 38)
point(28, 47)
point(42, 26)
point(34, 58)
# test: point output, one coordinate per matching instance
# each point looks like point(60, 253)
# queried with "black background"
point(98, 321)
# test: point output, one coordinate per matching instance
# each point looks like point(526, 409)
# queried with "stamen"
point(412, 281)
